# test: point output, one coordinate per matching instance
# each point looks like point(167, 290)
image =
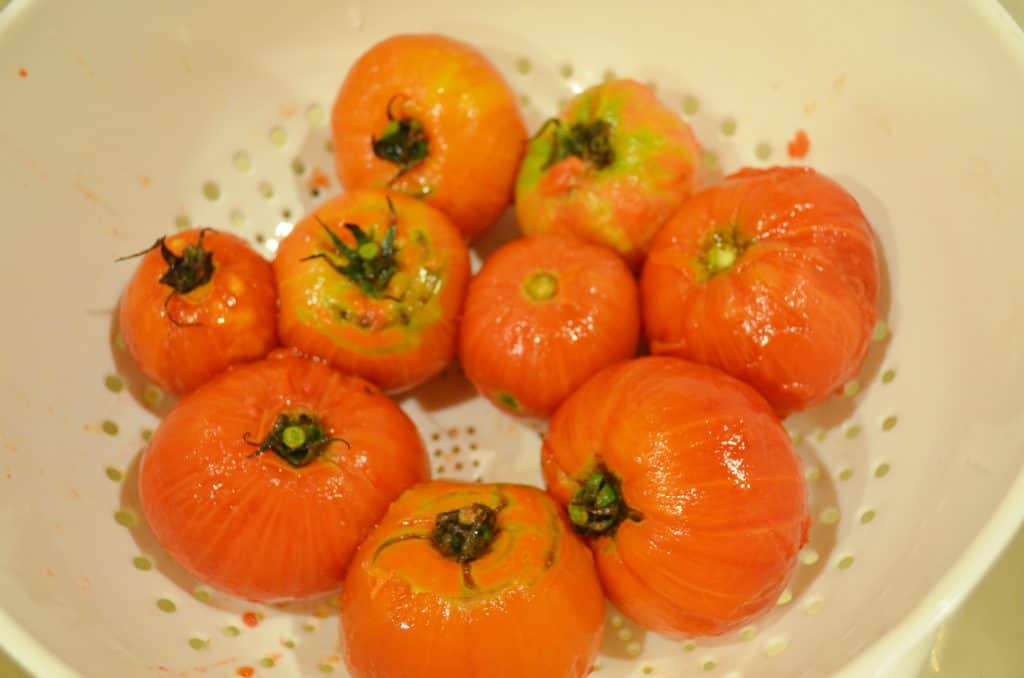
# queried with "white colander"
point(125, 120)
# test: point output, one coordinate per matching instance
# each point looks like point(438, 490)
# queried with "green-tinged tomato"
point(611, 168)
point(373, 283)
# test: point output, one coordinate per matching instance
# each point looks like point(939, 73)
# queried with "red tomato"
point(770, 276)
point(481, 581)
point(431, 117)
point(544, 314)
point(688, 488)
point(199, 301)
point(263, 481)
point(374, 282)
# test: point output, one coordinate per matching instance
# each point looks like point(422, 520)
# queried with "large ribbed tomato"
point(487, 581)
point(771, 276)
point(373, 282)
point(687, 486)
point(263, 481)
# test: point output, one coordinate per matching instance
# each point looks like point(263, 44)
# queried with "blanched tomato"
point(431, 117)
point(263, 482)
point(199, 301)
point(771, 276)
point(688, 488)
point(374, 282)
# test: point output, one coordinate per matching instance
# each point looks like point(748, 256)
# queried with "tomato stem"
point(403, 141)
point(598, 507)
point(589, 141)
point(298, 439)
point(541, 286)
point(185, 272)
point(466, 533)
point(369, 264)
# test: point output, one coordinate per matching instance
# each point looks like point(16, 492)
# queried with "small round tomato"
point(611, 168)
point(472, 580)
point(374, 282)
point(771, 276)
point(544, 314)
point(199, 301)
point(431, 117)
point(688, 488)
point(264, 481)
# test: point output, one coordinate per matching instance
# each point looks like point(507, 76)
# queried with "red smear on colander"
point(799, 146)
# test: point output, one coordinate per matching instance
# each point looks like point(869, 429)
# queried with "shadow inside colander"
point(823, 499)
point(448, 389)
point(836, 410)
point(143, 535)
point(143, 391)
point(623, 638)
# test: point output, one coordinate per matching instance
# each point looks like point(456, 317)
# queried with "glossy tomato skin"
point(717, 490)
point(544, 314)
point(794, 313)
point(470, 117)
point(652, 171)
point(535, 607)
point(182, 340)
point(251, 524)
point(406, 333)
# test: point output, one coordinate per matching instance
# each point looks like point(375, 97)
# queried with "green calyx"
point(466, 533)
point(722, 249)
point(369, 264)
point(598, 507)
point(296, 438)
point(185, 272)
point(403, 141)
point(589, 141)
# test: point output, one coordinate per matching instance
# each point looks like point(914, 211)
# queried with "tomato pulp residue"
point(317, 179)
point(22, 73)
point(799, 145)
point(245, 671)
point(251, 619)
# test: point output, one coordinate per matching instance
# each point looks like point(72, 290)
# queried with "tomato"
point(544, 314)
point(263, 482)
point(472, 580)
point(771, 276)
point(199, 301)
point(611, 168)
point(431, 117)
point(688, 488)
point(374, 282)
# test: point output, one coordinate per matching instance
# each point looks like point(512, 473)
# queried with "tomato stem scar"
point(541, 286)
point(598, 507)
point(589, 141)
